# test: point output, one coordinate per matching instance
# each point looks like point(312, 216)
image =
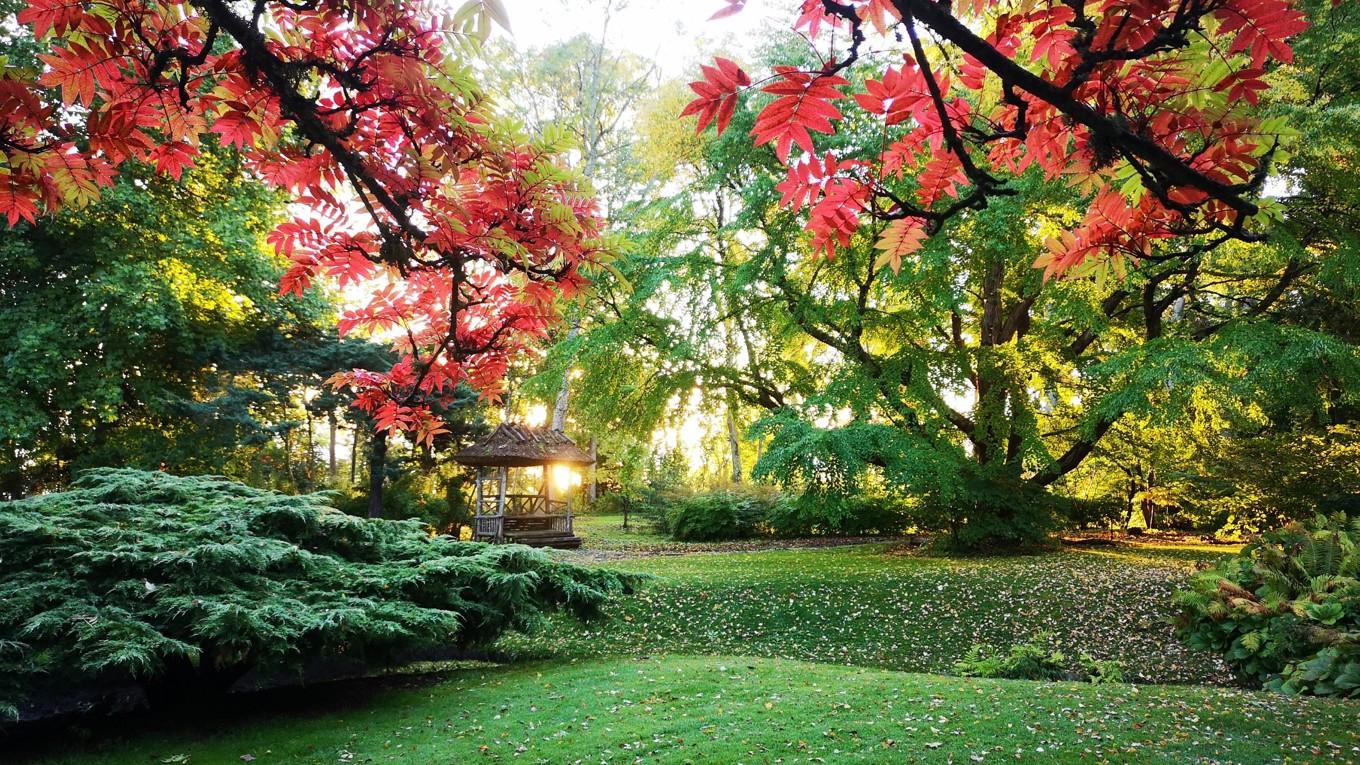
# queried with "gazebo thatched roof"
point(511, 445)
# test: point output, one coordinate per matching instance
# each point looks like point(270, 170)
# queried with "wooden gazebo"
point(534, 519)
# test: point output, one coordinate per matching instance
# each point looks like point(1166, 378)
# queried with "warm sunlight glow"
point(695, 427)
point(537, 416)
point(564, 479)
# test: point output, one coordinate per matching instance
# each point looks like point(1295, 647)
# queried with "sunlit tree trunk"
point(354, 457)
point(734, 437)
point(311, 447)
point(334, 426)
point(559, 413)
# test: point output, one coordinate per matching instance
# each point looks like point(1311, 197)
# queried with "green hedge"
point(741, 512)
point(718, 515)
point(814, 514)
point(185, 584)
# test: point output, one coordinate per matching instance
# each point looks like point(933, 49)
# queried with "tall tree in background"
point(592, 93)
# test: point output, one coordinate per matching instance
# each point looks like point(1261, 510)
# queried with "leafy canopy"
point(147, 330)
point(368, 116)
point(1144, 105)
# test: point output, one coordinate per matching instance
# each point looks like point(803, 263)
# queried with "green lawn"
point(606, 532)
point(729, 710)
point(741, 657)
point(870, 605)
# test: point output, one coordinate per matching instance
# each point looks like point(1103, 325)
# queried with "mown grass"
point(871, 605)
point(750, 710)
point(775, 631)
point(607, 532)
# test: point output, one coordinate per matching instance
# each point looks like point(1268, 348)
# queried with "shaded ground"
point(738, 710)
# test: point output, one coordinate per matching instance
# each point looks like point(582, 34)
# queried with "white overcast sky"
point(674, 33)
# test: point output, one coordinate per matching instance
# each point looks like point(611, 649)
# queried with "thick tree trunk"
point(377, 473)
point(288, 456)
point(311, 449)
point(594, 470)
point(734, 437)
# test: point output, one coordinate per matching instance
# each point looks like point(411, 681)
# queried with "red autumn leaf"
point(17, 201)
point(896, 96)
point(1260, 28)
point(807, 180)
point(899, 239)
point(80, 70)
point(804, 105)
point(717, 94)
point(56, 16)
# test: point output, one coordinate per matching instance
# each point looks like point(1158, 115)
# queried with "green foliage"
point(719, 515)
point(1035, 660)
point(968, 384)
point(1093, 512)
point(1101, 671)
point(147, 330)
point(1267, 481)
point(415, 495)
point(744, 511)
point(1286, 611)
point(1031, 660)
point(837, 514)
point(183, 584)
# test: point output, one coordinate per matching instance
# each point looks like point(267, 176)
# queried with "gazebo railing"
point(488, 527)
point(523, 504)
point(523, 512)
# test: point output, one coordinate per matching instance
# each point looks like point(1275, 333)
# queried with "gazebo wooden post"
point(566, 506)
point(477, 481)
point(500, 502)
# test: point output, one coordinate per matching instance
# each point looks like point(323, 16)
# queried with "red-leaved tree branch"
point(366, 114)
point(1144, 103)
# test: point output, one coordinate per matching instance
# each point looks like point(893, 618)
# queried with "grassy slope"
point(732, 710)
point(864, 605)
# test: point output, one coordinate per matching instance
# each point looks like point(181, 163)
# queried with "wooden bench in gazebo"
point(536, 519)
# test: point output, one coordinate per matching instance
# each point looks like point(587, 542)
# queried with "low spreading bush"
point(815, 513)
point(741, 512)
point(440, 504)
point(718, 515)
point(1024, 661)
point(1092, 513)
point(1286, 611)
point(1101, 671)
point(185, 584)
point(1034, 660)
